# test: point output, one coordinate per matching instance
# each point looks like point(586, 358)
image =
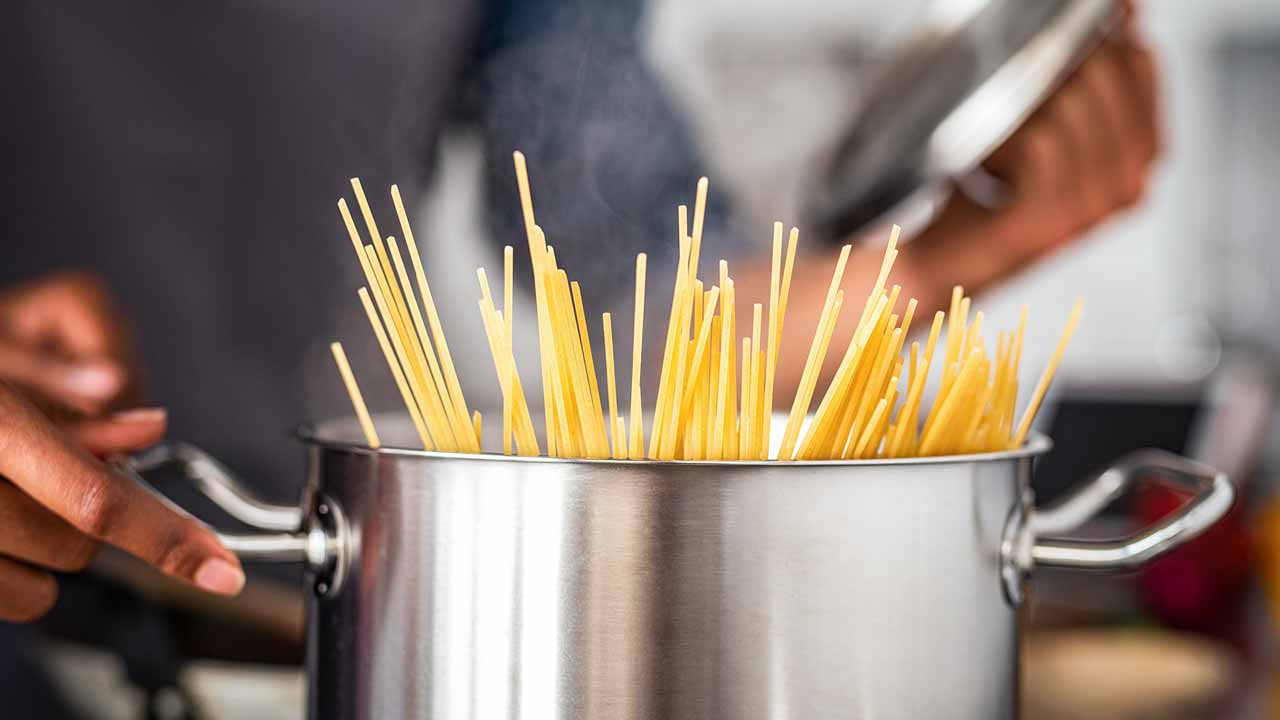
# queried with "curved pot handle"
point(291, 537)
point(1214, 496)
point(216, 482)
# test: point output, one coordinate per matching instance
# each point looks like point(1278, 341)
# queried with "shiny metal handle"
point(289, 540)
point(1214, 495)
point(216, 482)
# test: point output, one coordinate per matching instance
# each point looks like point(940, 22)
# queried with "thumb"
point(86, 385)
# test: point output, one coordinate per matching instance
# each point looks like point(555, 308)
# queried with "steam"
point(610, 157)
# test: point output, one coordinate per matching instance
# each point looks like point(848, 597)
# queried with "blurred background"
point(1178, 350)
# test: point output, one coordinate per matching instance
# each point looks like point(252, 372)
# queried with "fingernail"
point(141, 415)
point(95, 381)
point(219, 576)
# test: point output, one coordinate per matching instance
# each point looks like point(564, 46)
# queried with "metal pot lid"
point(948, 99)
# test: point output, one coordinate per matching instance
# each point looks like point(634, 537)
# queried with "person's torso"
point(192, 153)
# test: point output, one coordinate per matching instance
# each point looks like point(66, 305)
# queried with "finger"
point(1120, 110)
point(71, 316)
point(29, 532)
point(86, 385)
point(1110, 131)
point(46, 464)
point(1042, 163)
point(1032, 159)
point(121, 432)
point(26, 593)
point(71, 312)
point(1073, 112)
point(1129, 17)
point(1141, 62)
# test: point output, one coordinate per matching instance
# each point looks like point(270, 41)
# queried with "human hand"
point(63, 341)
point(58, 502)
point(1085, 155)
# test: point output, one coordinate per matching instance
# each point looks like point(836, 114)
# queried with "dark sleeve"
point(609, 156)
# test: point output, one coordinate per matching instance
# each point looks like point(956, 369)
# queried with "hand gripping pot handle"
point(290, 534)
point(1026, 545)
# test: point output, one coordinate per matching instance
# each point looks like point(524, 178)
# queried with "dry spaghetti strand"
point(1029, 415)
point(713, 400)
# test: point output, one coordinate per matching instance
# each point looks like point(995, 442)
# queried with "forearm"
point(973, 247)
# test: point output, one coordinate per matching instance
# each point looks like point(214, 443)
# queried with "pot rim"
point(308, 433)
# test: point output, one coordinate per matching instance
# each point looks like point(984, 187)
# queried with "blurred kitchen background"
point(1179, 347)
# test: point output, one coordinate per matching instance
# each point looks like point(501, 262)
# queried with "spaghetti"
point(713, 401)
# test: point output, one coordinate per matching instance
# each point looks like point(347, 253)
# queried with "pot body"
point(485, 587)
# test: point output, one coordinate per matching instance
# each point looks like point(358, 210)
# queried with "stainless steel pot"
point(456, 586)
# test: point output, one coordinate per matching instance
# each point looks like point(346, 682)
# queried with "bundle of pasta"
point(715, 398)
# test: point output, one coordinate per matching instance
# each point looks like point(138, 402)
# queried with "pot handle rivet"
point(290, 536)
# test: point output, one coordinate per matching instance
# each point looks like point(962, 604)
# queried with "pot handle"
point(1214, 495)
point(290, 538)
